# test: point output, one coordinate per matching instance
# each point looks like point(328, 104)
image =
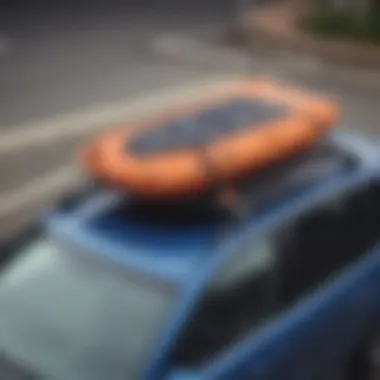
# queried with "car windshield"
point(66, 317)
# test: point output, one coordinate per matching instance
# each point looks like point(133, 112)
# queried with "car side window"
point(239, 296)
point(324, 240)
point(271, 272)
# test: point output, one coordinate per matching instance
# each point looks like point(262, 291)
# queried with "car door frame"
point(262, 344)
point(159, 363)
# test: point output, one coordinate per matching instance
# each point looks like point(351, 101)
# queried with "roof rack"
point(236, 201)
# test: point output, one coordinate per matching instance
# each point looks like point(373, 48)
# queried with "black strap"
point(226, 195)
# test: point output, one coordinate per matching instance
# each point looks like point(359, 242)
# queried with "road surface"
point(65, 75)
point(65, 70)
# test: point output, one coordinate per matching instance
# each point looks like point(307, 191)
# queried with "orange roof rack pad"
point(191, 148)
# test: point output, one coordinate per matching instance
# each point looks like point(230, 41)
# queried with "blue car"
point(288, 287)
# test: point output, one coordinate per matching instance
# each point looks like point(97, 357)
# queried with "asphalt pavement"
point(58, 60)
point(66, 73)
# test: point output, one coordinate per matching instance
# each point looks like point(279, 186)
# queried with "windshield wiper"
point(11, 370)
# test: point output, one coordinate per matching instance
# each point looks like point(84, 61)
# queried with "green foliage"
point(343, 24)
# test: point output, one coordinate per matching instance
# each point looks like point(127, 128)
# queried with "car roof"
point(169, 241)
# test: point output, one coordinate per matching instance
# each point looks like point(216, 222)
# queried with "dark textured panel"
point(202, 128)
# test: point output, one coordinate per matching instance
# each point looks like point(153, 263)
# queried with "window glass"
point(326, 239)
point(252, 261)
point(64, 317)
point(240, 295)
point(272, 272)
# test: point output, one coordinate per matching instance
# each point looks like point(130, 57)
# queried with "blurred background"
point(71, 68)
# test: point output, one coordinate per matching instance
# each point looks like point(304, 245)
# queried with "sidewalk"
point(275, 25)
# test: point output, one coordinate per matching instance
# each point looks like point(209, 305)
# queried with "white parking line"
point(18, 199)
point(43, 132)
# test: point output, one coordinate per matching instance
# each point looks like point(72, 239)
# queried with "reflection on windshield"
point(254, 260)
point(71, 322)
